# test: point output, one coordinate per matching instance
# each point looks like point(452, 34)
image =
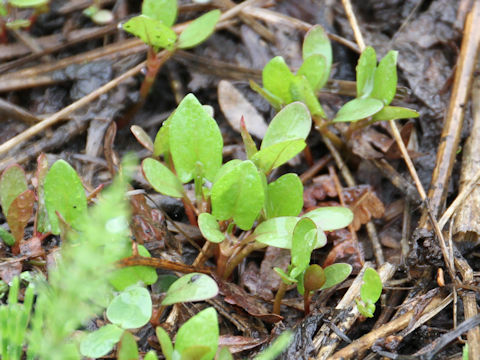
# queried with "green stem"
point(279, 297)
point(321, 126)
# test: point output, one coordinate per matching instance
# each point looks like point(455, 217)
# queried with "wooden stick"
point(347, 5)
point(365, 342)
point(452, 128)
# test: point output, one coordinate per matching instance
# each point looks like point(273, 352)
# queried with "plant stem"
point(189, 210)
point(279, 297)
point(321, 126)
point(237, 259)
point(306, 302)
point(154, 64)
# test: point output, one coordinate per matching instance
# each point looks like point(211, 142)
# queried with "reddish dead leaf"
point(262, 282)
point(321, 187)
point(235, 295)
point(364, 203)
point(147, 224)
point(19, 213)
point(345, 252)
point(32, 248)
point(142, 137)
point(238, 344)
point(42, 222)
point(10, 269)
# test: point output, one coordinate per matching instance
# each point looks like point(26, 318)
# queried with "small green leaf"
point(103, 17)
point(161, 10)
point(199, 30)
point(316, 42)
point(209, 228)
point(64, 193)
point(278, 232)
point(200, 330)
point(394, 113)
point(291, 123)
point(274, 100)
point(191, 287)
point(6, 237)
point(358, 109)
point(372, 286)
point(278, 154)
point(277, 347)
point(224, 354)
point(165, 342)
point(301, 90)
point(100, 342)
point(330, 218)
point(151, 32)
point(367, 64)
point(28, 3)
point(194, 136)
point(12, 183)
point(20, 213)
point(276, 77)
point(227, 167)
point(366, 309)
point(161, 178)
point(238, 194)
point(303, 241)
point(314, 68)
point(284, 196)
point(131, 309)
point(335, 274)
point(161, 145)
point(127, 349)
point(131, 275)
point(151, 355)
point(385, 85)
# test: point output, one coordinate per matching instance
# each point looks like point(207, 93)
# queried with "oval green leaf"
point(12, 183)
point(367, 63)
point(64, 193)
point(358, 109)
point(209, 228)
point(276, 232)
point(131, 275)
point(100, 342)
point(199, 30)
point(191, 287)
point(331, 218)
point(165, 342)
point(276, 77)
point(239, 195)
point(314, 68)
point(6, 237)
point(335, 274)
point(291, 123)
point(200, 330)
point(131, 309)
point(161, 10)
point(194, 136)
point(372, 286)
point(127, 349)
point(278, 154)
point(28, 3)
point(151, 32)
point(393, 113)
point(284, 196)
point(161, 178)
point(303, 241)
point(301, 90)
point(385, 84)
point(316, 42)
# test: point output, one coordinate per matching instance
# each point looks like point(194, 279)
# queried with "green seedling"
point(196, 339)
point(130, 309)
point(369, 292)
point(98, 15)
point(302, 236)
point(154, 27)
point(376, 88)
point(236, 194)
point(14, 319)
